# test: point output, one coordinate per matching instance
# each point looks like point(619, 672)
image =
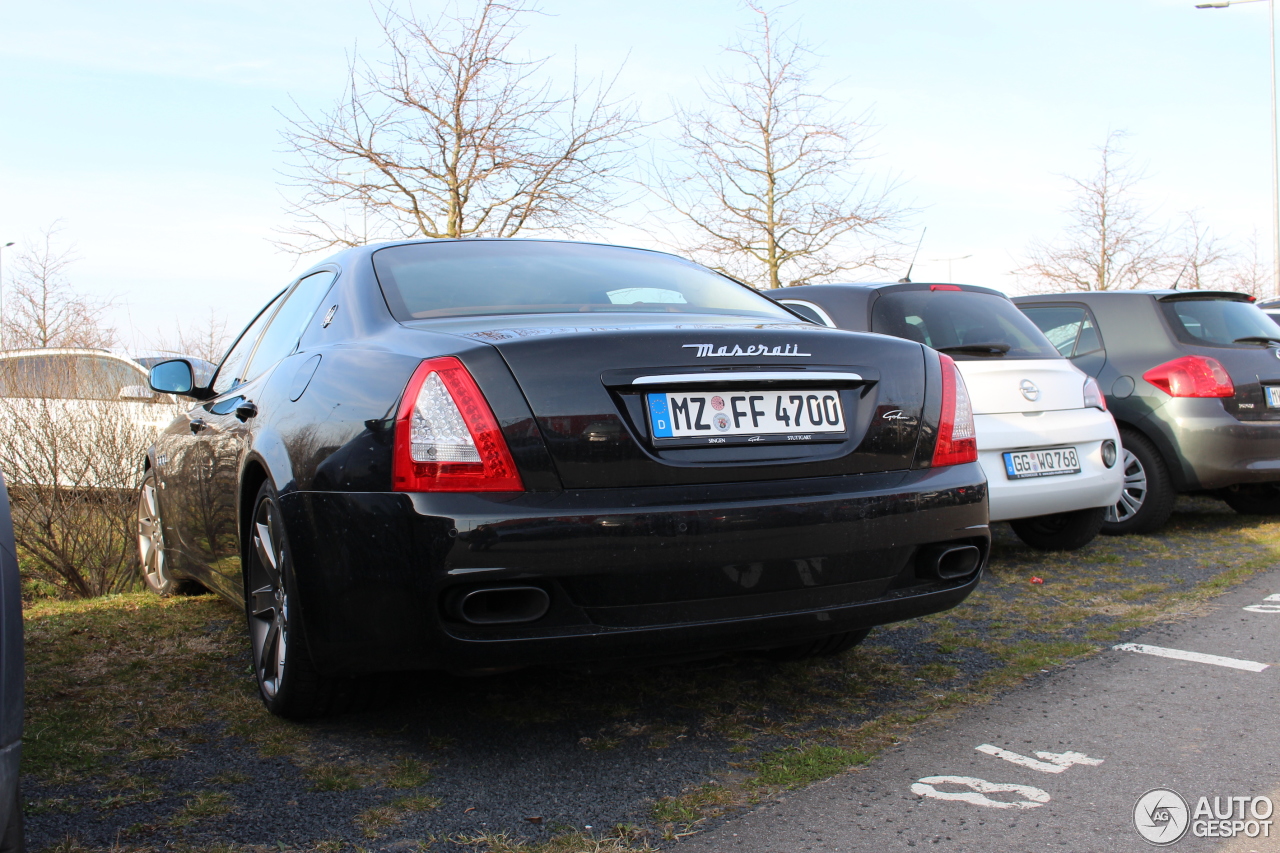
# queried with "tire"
point(822, 647)
point(153, 560)
point(1253, 498)
point(1147, 500)
point(1062, 531)
point(288, 683)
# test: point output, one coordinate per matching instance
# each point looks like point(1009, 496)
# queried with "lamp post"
point(2, 248)
point(1275, 177)
point(949, 260)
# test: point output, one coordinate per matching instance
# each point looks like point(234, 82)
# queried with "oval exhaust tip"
point(502, 605)
point(948, 562)
point(958, 561)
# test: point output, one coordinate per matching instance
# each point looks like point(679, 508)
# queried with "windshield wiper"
point(977, 349)
point(1257, 339)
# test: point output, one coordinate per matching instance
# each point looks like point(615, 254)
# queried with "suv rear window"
point(950, 318)
point(1216, 322)
point(470, 277)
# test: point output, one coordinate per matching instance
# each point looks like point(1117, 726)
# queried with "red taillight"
point(447, 439)
point(1192, 376)
point(944, 287)
point(957, 438)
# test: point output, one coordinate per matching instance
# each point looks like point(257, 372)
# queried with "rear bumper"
point(1207, 448)
point(628, 573)
point(1084, 429)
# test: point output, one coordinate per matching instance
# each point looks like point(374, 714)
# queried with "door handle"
point(197, 425)
point(247, 409)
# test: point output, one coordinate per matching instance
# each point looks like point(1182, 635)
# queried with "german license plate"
point(1041, 463)
point(743, 417)
point(1273, 396)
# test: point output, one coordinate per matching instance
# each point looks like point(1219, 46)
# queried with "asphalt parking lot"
point(144, 734)
point(1185, 712)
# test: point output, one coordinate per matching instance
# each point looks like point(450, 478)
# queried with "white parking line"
point(1198, 657)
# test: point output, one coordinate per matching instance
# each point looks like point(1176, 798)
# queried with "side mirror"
point(136, 392)
point(176, 377)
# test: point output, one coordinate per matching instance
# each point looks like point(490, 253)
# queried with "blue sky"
point(151, 129)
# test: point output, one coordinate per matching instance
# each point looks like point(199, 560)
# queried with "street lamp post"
point(2, 248)
point(1275, 176)
point(949, 260)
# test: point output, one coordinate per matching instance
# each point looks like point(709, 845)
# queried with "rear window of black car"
point(1216, 322)
point(953, 318)
point(463, 278)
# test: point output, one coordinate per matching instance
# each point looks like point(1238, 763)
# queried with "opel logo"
point(1029, 390)
point(1277, 352)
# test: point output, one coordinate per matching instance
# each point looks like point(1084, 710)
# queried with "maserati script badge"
point(712, 351)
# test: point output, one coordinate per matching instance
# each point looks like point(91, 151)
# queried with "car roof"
point(1159, 294)
point(18, 353)
point(890, 285)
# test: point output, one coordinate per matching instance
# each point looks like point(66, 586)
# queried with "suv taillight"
point(446, 438)
point(957, 441)
point(1192, 376)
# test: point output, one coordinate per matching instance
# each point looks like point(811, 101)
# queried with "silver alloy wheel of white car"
point(151, 537)
point(1134, 492)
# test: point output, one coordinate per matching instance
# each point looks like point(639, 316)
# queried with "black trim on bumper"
point(635, 573)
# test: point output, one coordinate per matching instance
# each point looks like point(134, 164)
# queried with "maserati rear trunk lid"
point(651, 402)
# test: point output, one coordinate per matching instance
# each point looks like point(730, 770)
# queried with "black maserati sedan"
point(480, 454)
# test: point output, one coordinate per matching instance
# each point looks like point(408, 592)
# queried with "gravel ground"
point(538, 753)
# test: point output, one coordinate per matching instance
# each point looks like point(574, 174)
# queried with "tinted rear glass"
point(1067, 327)
point(1215, 322)
point(949, 318)
point(461, 278)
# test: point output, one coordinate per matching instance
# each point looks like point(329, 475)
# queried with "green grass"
point(125, 679)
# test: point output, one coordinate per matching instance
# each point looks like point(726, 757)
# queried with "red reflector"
point(1192, 376)
point(449, 417)
point(957, 438)
point(944, 287)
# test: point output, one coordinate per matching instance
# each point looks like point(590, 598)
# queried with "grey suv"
point(1193, 380)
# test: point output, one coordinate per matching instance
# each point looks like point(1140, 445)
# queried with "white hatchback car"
point(1045, 439)
point(77, 418)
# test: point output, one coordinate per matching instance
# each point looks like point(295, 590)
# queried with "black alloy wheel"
point(288, 682)
point(1062, 531)
point(1253, 498)
point(152, 556)
point(1146, 501)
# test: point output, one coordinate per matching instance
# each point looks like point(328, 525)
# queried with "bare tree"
point(41, 309)
point(71, 457)
point(1110, 243)
point(1202, 262)
point(207, 337)
point(1250, 273)
point(769, 174)
point(452, 135)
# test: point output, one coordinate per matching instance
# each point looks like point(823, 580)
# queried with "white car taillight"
point(446, 437)
point(1093, 397)
point(957, 437)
